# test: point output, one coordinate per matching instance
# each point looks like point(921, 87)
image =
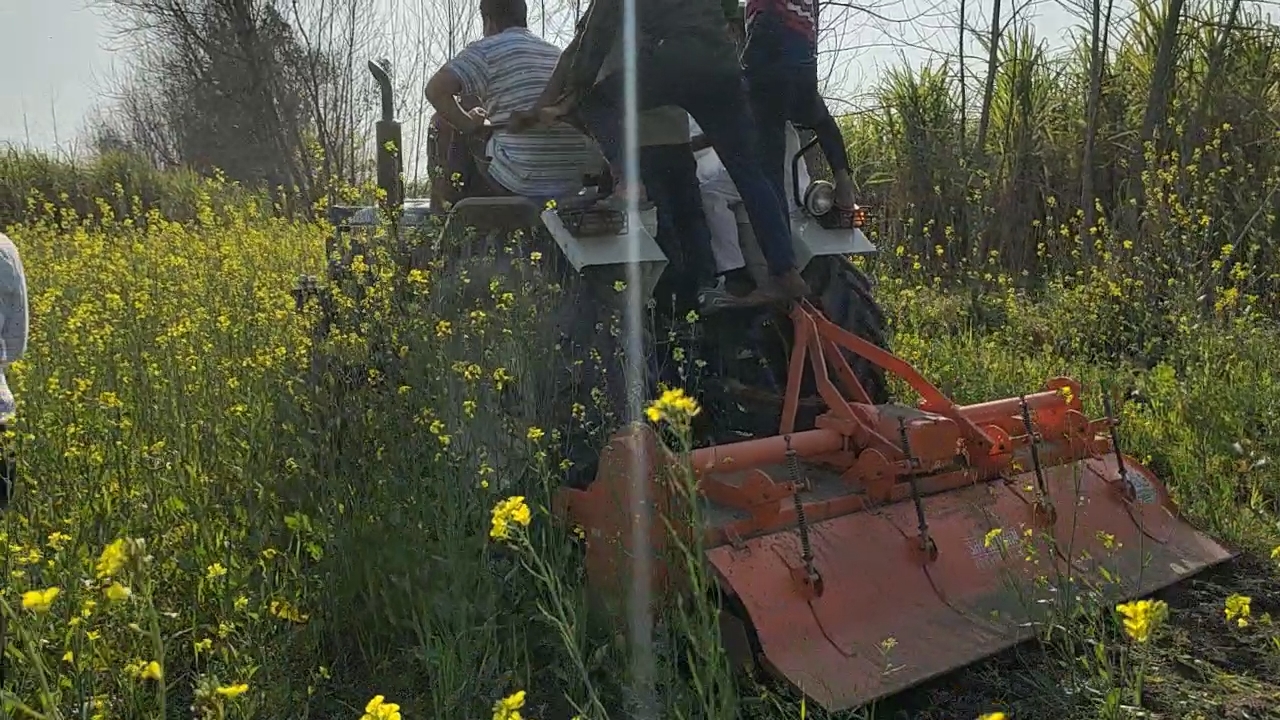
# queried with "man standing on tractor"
point(507, 70)
point(684, 58)
point(717, 189)
point(780, 61)
point(669, 173)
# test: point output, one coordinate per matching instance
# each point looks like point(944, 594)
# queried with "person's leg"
point(480, 183)
point(770, 95)
point(810, 110)
point(667, 171)
point(723, 224)
point(680, 175)
point(601, 120)
point(652, 171)
point(602, 116)
point(678, 281)
point(721, 110)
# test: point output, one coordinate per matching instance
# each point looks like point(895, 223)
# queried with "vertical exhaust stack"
point(390, 151)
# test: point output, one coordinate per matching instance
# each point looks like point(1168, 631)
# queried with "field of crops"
point(224, 514)
point(208, 520)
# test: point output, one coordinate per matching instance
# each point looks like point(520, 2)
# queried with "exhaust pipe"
point(389, 150)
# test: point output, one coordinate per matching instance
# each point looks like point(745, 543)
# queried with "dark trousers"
point(780, 94)
point(717, 101)
point(670, 174)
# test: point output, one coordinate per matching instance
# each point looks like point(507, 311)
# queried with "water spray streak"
point(640, 621)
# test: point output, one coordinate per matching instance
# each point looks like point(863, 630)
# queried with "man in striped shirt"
point(507, 70)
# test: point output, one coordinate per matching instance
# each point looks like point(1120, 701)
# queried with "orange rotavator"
point(948, 529)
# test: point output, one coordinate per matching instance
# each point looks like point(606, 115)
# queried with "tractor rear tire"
point(846, 299)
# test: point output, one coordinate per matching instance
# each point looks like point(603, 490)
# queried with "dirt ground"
point(1202, 668)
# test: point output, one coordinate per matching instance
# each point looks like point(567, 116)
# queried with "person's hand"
point(477, 120)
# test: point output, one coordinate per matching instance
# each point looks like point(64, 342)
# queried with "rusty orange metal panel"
point(885, 621)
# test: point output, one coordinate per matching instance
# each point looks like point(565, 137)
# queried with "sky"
point(59, 57)
point(56, 61)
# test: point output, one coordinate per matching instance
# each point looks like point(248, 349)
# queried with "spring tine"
point(1035, 448)
point(1112, 422)
point(793, 468)
point(915, 488)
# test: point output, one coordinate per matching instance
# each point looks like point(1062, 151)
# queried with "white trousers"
point(720, 195)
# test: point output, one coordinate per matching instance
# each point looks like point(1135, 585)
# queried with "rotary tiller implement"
point(888, 545)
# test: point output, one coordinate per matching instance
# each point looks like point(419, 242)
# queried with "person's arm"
point(598, 33)
point(554, 90)
point(465, 75)
point(443, 90)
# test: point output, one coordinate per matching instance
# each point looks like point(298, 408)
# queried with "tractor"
point(830, 517)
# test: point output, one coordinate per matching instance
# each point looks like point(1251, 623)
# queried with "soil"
point(1202, 668)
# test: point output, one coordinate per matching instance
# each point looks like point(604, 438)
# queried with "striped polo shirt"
point(508, 72)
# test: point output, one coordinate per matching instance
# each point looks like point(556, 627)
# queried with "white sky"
point(54, 61)
point(57, 57)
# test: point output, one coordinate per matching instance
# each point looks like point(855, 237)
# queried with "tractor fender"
point(610, 254)
point(808, 237)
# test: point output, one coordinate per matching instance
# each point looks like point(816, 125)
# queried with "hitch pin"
point(1045, 512)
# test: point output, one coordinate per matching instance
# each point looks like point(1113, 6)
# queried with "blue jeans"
point(780, 94)
point(718, 102)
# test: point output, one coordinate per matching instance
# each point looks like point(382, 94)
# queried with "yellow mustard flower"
point(215, 571)
point(112, 559)
point(379, 709)
point(535, 433)
point(232, 691)
point(58, 539)
point(509, 512)
point(1237, 609)
point(39, 601)
point(145, 670)
point(674, 406)
point(993, 716)
point(116, 592)
point(286, 611)
point(1141, 617)
point(508, 708)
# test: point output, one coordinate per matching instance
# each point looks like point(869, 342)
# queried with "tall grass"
point(1209, 182)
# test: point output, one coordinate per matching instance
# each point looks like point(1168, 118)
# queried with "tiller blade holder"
point(889, 545)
